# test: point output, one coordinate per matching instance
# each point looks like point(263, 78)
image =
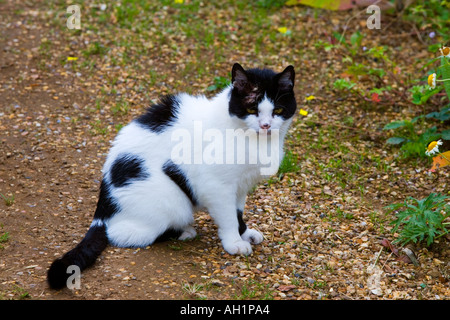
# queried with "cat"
point(147, 194)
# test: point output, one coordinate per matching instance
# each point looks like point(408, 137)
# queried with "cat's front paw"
point(253, 236)
point(238, 247)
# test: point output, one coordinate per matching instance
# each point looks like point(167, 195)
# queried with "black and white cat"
point(156, 175)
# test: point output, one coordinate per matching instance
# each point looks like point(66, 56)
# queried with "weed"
point(253, 289)
point(377, 221)
point(122, 107)
point(432, 14)
point(343, 85)
point(98, 128)
point(194, 290)
point(289, 164)
point(9, 201)
point(420, 220)
point(3, 238)
point(175, 247)
point(23, 294)
point(95, 48)
point(412, 143)
point(219, 83)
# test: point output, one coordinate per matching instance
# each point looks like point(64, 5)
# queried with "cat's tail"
point(83, 256)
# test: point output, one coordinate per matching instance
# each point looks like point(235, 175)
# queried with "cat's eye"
point(278, 111)
point(251, 111)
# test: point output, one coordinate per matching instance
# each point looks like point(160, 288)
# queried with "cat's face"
point(263, 99)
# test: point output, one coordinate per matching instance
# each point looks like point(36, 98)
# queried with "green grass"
point(4, 237)
point(98, 128)
point(9, 201)
point(95, 48)
point(289, 163)
point(252, 289)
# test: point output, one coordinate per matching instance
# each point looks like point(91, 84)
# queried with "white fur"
point(149, 207)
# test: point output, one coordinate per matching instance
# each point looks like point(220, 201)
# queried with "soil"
point(323, 239)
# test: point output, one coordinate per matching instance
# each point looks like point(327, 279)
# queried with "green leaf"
point(442, 115)
point(445, 72)
point(342, 84)
point(421, 94)
point(395, 125)
point(428, 94)
point(414, 120)
point(377, 72)
point(445, 134)
point(355, 39)
point(395, 140)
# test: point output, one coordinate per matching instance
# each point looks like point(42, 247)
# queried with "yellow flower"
point(433, 147)
point(72, 58)
point(432, 80)
point(282, 30)
point(179, 1)
point(303, 112)
point(445, 51)
point(310, 98)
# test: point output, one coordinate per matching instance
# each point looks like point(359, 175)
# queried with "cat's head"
point(263, 99)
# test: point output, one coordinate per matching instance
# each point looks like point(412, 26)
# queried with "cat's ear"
point(286, 78)
point(239, 77)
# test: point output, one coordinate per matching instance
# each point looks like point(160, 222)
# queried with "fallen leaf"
point(440, 161)
point(386, 243)
point(404, 258)
point(286, 288)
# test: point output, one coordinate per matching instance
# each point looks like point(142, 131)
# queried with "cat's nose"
point(264, 126)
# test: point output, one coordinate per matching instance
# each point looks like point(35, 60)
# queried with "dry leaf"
point(286, 288)
point(440, 161)
point(404, 258)
point(386, 243)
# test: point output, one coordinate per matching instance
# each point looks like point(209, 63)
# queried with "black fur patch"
point(161, 115)
point(106, 207)
point(169, 234)
point(125, 168)
point(242, 225)
point(177, 175)
point(250, 86)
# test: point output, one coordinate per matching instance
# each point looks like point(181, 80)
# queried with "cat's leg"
point(224, 215)
point(250, 235)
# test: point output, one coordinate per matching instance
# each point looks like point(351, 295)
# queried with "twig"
point(418, 34)
point(389, 256)
point(378, 257)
